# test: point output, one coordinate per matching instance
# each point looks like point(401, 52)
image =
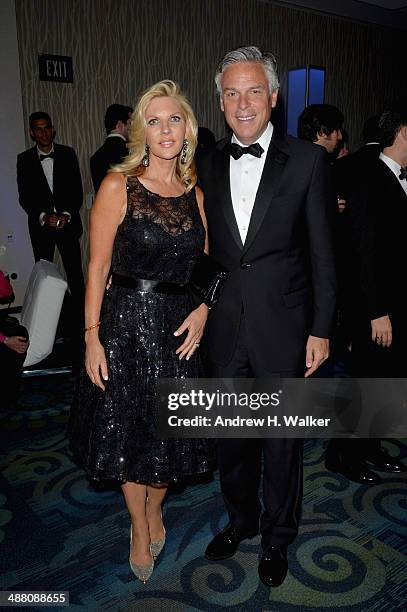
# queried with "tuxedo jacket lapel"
point(276, 159)
point(223, 181)
point(58, 168)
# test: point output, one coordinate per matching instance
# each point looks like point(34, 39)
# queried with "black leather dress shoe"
point(273, 566)
point(225, 544)
point(385, 462)
point(356, 471)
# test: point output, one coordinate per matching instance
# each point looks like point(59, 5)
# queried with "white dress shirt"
point(48, 169)
point(395, 168)
point(116, 136)
point(245, 175)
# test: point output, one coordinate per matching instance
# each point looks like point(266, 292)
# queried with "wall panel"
point(121, 46)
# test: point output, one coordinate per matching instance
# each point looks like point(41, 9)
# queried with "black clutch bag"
point(207, 279)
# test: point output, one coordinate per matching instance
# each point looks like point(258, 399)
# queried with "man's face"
point(246, 100)
point(329, 141)
point(123, 128)
point(127, 127)
point(43, 133)
point(400, 143)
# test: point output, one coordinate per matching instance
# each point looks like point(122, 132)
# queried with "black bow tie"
point(42, 157)
point(237, 151)
point(403, 174)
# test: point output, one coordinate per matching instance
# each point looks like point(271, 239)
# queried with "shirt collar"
point(391, 163)
point(264, 140)
point(39, 152)
point(117, 136)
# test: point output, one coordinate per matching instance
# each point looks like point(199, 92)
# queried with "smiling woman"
point(163, 126)
point(147, 228)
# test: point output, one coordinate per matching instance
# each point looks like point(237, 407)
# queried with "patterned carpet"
point(58, 533)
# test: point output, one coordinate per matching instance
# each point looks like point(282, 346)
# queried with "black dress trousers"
point(240, 465)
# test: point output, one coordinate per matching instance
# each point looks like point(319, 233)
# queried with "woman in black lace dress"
point(147, 229)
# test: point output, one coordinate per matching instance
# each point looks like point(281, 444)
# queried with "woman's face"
point(166, 127)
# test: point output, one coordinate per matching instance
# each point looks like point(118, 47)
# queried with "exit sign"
point(56, 68)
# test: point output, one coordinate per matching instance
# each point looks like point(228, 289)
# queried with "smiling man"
point(267, 203)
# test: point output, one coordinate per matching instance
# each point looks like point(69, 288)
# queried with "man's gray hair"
point(249, 54)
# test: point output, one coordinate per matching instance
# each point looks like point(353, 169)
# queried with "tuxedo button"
point(245, 265)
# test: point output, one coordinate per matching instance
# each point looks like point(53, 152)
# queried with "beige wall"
point(121, 46)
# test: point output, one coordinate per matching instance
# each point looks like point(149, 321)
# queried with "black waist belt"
point(152, 286)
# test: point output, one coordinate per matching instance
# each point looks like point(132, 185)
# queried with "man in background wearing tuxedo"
point(323, 125)
point(113, 150)
point(350, 172)
point(50, 191)
point(379, 334)
point(350, 169)
point(268, 204)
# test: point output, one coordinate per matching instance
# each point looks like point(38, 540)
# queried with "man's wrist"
point(3, 338)
point(42, 218)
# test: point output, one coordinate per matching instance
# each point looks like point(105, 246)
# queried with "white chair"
point(41, 309)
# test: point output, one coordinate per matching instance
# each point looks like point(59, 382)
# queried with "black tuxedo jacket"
point(112, 151)
point(34, 194)
point(380, 230)
point(283, 277)
point(351, 170)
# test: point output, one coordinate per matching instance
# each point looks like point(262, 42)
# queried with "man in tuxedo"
point(268, 207)
point(350, 170)
point(113, 150)
point(50, 191)
point(379, 335)
point(343, 454)
point(321, 124)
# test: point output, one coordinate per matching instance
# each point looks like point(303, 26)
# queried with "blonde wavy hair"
point(132, 164)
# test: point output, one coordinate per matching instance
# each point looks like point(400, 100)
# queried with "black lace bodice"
point(113, 432)
point(159, 238)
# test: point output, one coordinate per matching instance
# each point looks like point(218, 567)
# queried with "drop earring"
point(184, 152)
point(146, 158)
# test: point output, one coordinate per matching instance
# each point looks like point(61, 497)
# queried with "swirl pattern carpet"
point(58, 533)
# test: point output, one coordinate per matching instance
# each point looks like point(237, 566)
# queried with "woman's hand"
point(95, 362)
point(195, 324)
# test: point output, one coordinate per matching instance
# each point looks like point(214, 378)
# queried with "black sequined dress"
point(112, 432)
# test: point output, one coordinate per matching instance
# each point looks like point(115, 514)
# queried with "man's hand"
point(341, 204)
point(382, 331)
point(63, 220)
point(51, 220)
point(317, 352)
point(19, 344)
point(56, 221)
